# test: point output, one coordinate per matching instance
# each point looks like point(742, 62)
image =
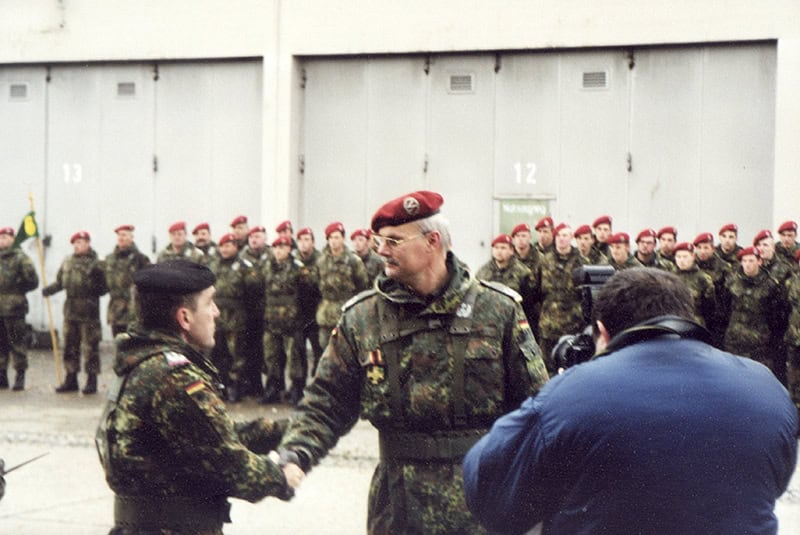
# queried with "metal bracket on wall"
point(631, 59)
point(427, 65)
point(629, 161)
point(155, 72)
point(303, 78)
point(498, 62)
point(301, 164)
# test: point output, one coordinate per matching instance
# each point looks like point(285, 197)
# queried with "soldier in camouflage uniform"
point(619, 246)
point(531, 258)
point(285, 230)
point(240, 228)
point(774, 264)
point(544, 233)
point(667, 238)
point(506, 269)
point(231, 298)
point(728, 249)
point(758, 311)
point(283, 277)
point(373, 263)
point(602, 231)
point(179, 247)
point(562, 312)
point(170, 452)
point(83, 277)
point(719, 271)
point(258, 253)
point(204, 243)
point(340, 275)
point(792, 337)
point(584, 241)
point(308, 298)
point(700, 285)
point(17, 277)
point(120, 265)
point(788, 241)
point(646, 252)
point(431, 357)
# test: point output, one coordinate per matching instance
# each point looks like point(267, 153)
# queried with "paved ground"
point(65, 492)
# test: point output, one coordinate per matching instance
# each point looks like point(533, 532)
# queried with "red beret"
point(129, 228)
point(668, 230)
point(684, 246)
point(560, 227)
point(255, 229)
point(406, 208)
point(619, 237)
point(284, 225)
point(238, 220)
point(603, 219)
point(746, 251)
point(305, 230)
point(788, 226)
point(360, 232)
point(282, 240)
point(7, 230)
point(705, 237)
point(229, 237)
point(645, 233)
point(583, 229)
point(502, 238)
point(522, 227)
point(544, 222)
point(80, 235)
point(199, 227)
point(764, 234)
point(334, 227)
point(729, 227)
point(178, 225)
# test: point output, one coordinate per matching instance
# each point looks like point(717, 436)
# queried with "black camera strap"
point(655, 327)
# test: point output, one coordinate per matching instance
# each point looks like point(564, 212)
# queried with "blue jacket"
point(664, 436)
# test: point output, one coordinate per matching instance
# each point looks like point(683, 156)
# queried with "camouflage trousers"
point(226, 355)
point(13, 343)
point(310, 333)
point(82, 337)
point(279, 351)
point(325, 335)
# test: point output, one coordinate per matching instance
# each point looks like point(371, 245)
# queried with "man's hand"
point(294, 475)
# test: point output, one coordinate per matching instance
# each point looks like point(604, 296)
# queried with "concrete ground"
point(65, 492)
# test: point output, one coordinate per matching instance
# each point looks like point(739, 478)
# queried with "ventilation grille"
point(126, 89)
point(18, 91)
point(461, 83)
point(595, 80)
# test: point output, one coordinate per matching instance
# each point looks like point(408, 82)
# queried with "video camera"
point(573, 349)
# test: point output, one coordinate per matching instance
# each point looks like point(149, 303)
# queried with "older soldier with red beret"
point(179, 246)
point(203, 242)
point(82, 275)
point(431, 356)
point(120, 265)
point(240, 228)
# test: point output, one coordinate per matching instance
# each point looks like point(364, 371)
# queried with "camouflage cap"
point(406, 208)
point(174, 277)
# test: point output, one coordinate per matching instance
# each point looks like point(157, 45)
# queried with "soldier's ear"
point(602, 338)
point(183, 317)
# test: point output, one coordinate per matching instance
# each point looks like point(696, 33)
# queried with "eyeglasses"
point(393, 243)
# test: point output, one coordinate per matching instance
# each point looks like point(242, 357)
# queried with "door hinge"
point(301, 164)
point(629, 161)
point(156, 73)
point(155, 163)
point(425, 165)
point(303, 78)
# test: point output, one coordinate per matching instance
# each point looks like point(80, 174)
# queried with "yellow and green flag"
point(27, 229)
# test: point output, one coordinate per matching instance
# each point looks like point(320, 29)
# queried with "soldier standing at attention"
point(788, 244)
point(719, 271)
point(506, 269)
point(239, 228)
point(231, 298)
point(120, 265)
point(728, 249)
point(373, 263)
point(699, 283)
point(527, 255)
point(646, 251)
point(340, 275)
point(17, 277)
point(83, 277)
point(584, 241)
point(431, 357)
point(170, 452)
point(667, 238)
point(251, 345)
point(778, 268)
point(792, 337)
point(309, 297)
point(203, 241)
point(178, 246)
point(602, 231)
point(544, 231)
point(285, 230)
point(282, 277)
point(620, 249)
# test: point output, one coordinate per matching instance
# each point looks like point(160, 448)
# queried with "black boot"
point(19, 381)
point(91, 384)
point(70, 384)
point(296, 393)
point(3, 379)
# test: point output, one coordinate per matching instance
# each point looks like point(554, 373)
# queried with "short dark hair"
point(157, 310)
point(632, 296)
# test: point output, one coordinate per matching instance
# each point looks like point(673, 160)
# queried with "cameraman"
point(661, 434)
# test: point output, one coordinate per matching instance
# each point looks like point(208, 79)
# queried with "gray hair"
point(437, 223)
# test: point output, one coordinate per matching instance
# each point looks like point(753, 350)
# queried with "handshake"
point(290, 463)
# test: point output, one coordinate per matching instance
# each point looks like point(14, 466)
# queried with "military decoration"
point(375, 372)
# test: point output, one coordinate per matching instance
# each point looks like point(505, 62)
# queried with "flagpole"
point(53, 337)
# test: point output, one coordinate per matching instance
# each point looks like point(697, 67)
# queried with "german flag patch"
point(195, 387)
point(523, 324)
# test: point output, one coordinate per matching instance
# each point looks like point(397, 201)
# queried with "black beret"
point(174, 277)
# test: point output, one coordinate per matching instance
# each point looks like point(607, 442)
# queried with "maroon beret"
point(229, 237)
point(238, 220)
point(705, 237)
point(729, 227)
point(746, 251)
point(360, 232)
point(561, 226)
point(764, 234)
point(522, 227)
point(284, 225)
point(407, 208)
point(502, 238)
point(684, 246)
point(544, 222)
point(583, 229)
point(619, 237)
point(336, 226)
point(80, 235)
point(305, 230)
point(129, 228)
point(668, 230)
point(7, 230)
point(603, 219)
point(788, 226)
point(178, 225)
point(645, 233)
point(257, 228)
point(201, 226)
point(282, 240)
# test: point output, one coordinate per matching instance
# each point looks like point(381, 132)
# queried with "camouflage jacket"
point(165, 431)
point(779, 269)
point(233, 276)
point(189, 252)
point(656, 261)
point(704, 295)
point(120, 267)
point(531, 261)
point(390, 336)
point(515, 275)
point(308, 297)
point(719, 271)
point(562, 312)
point(210, 252)
point(787, 254)
point(339, 278)
point(603, 249)
point(597, 258)
point(17, 277)
point(629, 263)
point(84, 279)
point(729, 258)
point(373, 263)
point(282, 283)
point(792, 336)
point(255, 299)
point(758, 312)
